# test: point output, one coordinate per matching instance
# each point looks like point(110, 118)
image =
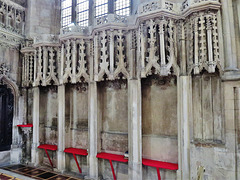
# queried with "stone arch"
point(14, 88)
point(4, 79)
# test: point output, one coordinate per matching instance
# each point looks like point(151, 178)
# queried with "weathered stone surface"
point(179, 102)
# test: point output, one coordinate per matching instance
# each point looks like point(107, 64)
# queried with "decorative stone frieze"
point(75, 29)
point(4, 69)
point(111, 18)
point(28, 62)
point(190, 3)
point(154, 6)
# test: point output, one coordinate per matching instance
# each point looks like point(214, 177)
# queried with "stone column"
point(36, 110)
point(184, 115)
point(134, 129)
point(61, 128)
point(19, 113)
point(93, 130)
point(229, 35)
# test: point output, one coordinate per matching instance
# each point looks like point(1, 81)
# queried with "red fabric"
point(77, 151)
point(25, 125)
point(48, 147)
point(160, 164)
point(113, 157)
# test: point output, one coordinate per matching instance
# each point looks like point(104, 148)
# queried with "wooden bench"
point(76, 151)
point(112, 157)
point(159, 164)
point(48, 147)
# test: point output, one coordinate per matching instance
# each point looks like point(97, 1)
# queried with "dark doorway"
point(6, 117)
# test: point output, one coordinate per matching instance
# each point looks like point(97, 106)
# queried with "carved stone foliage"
point(27, 69)
point(157, 38)
point(46, 65)
point(4, 69)
point(74, 66)
point(188, 3)
point(111, 18)
point(11, 17)
point(110, 59)
point(154, 6)
point(203, 47)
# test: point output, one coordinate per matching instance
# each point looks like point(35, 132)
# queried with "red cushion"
point(76, 151)
point(25, 125)
point(113, 157)
point(160, 164)
point(48, 147)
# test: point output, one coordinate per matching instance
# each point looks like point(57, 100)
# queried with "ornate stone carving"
point(113, 64)
point(111, 18)
point(206, 43)
point(11, 17)
point(52, 75)
point(120, 57)
point(4, 69)
point(156, 6)
point(82, 63)
point(186, 4)
point(67, 70)
point(151, 6)
point(161, 50)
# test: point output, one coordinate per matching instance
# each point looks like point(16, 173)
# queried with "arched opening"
point(6, 117)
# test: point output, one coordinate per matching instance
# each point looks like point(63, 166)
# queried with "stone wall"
point(162, 84)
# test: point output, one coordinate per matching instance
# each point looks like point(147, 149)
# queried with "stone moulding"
point(5, 79)
point(9, 39)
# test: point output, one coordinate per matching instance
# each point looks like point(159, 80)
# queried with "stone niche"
point(207, 109)
point(159, 123)
point(114, 134)
point(76, 110)
point(48, 119)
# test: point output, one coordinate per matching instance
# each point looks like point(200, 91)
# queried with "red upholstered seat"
point(160, 164)
point(77, 151)
point(25, 125)
point(113, 157)
point(48, 147)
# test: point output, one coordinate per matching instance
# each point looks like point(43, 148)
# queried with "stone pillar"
point(93, 130)
point(61, 128)
point(36, 110)
point(229, 35)
point(134, 129)
point(184, 115)
point(19, 115)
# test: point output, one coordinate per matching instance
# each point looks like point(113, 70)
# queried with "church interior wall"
point(182, 108)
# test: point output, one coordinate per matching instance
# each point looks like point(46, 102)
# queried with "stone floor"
point(23, 172)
